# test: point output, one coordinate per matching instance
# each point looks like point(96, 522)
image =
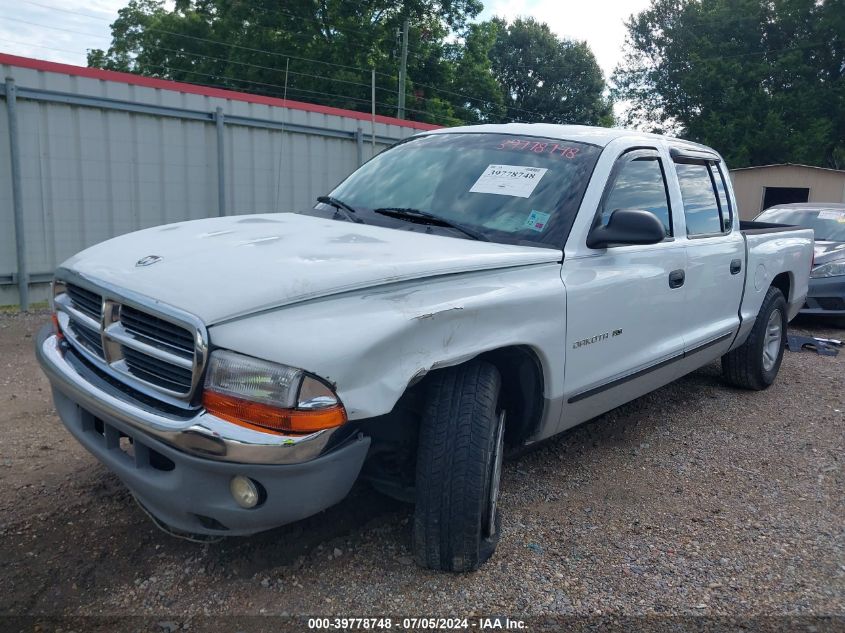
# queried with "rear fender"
point(769, 255)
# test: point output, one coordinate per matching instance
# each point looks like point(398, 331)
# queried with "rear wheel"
point(459, 468)
point(755, 363)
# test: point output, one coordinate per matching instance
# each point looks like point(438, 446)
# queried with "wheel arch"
point(783, 282)
point(395, 435)
point(523, 386)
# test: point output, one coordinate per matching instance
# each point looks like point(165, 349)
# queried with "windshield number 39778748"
point(539, 147)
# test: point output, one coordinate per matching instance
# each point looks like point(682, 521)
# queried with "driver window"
point(640, 184)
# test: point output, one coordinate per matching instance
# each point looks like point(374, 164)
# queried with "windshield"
point(508, 188)
point(827, 224)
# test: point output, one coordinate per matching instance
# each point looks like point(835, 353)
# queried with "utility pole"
point(403, 67)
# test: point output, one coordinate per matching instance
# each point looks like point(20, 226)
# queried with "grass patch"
point(38, 306)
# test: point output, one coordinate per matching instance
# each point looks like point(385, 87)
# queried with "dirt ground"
point(695, 500)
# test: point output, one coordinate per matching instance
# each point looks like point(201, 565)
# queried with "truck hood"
point(826, 251)
point(224, 268)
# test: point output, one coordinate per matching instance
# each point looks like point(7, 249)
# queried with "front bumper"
point(174, 466)
point(826, 297)
point(195, 432)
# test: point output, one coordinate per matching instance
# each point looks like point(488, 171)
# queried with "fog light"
point(244, 491)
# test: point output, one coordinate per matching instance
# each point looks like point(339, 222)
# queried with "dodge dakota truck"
point(467, 292)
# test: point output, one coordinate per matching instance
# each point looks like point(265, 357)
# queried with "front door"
point(625, 304)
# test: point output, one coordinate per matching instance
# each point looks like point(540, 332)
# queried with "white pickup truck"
point(468, 291)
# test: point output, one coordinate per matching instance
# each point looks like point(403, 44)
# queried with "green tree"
point(327, 46)
point(476, 94)
point(761, 80)
point(545, 78)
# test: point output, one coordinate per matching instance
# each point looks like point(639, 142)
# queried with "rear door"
point(714, 274)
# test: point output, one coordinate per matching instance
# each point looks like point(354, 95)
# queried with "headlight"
point(831, 269)
point(274, 397)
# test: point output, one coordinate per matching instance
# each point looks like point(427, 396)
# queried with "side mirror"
point(627, 226)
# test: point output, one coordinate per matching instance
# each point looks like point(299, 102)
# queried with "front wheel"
point(459, 467)
point(755, 363)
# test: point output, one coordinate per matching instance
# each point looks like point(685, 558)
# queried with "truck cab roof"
point(600, 136)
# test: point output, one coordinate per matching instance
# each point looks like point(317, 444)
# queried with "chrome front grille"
point(156, 371)
point(157, 332)
point(87, 302)
point(160, 351)
point(88, 337)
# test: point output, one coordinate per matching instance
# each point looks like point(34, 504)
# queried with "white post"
point(17, 193)
point(403, 68)
point(373, 111)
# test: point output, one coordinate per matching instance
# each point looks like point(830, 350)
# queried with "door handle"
point(736, 266)
point(677, 278)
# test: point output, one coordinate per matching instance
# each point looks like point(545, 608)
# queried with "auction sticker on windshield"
point(839, 216)
point(509, 180)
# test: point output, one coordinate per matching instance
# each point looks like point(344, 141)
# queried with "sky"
point(37, 28)
point(53, 30)
point(601, 23)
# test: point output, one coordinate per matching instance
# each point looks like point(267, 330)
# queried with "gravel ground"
point(697, 499)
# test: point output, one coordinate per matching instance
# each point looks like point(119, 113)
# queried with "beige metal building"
point(759, 188)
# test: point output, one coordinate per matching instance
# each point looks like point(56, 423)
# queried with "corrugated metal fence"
point(87, 154)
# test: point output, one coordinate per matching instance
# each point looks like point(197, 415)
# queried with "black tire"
point(745, 366)
point(458, 459)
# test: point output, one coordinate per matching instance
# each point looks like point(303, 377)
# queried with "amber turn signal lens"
point(56, 327)
point(254, 414)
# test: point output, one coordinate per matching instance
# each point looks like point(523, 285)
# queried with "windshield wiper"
point(348, 210)
point(424, 217)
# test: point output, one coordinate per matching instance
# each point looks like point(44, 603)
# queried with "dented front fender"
point(373, 343)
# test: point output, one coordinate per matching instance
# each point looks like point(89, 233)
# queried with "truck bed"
point(770, 250)
point(749, 227)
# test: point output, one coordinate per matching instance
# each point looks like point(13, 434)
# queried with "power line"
point(52, 8)
point(345, 30)
point(55, 28)
point(312, 94)
point(704, 59)
point(777, 51)
point(301, 74)
point(219, 59)
point(271, 68)
point(339, 96)
point(49, 48)
point(197, 38)
point(274, 29)
point(703, 20)
point(249, 64)
point(485, 102)
point(327, 95)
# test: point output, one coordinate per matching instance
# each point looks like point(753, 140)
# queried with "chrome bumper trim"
point(203, 435)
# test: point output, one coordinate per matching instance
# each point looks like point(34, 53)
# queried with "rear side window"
point(724, 201)
point(640, 184)
point(701, 205)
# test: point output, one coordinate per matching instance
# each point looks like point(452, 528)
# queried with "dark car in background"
point(826, 296)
